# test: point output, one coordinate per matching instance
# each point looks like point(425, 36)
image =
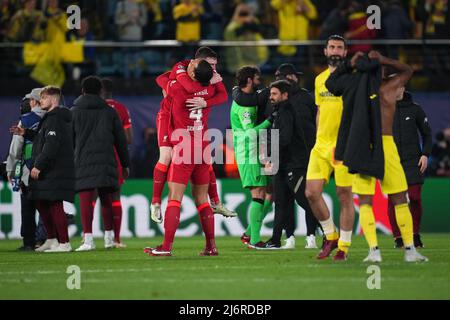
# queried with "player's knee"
point(345, 196)
point(313, 194)
point(258, 193)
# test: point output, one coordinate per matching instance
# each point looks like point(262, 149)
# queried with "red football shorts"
point(181, 173)
point(162, 126)
point(181, 170)
point(119, 168)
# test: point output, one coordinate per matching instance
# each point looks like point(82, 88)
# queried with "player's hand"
point(125, 173)
point(196, 103)
point(164, 93)
point(423, 163)
point(268, 168)
point(35, 173)
point(355, 58)
point(10, 174)
point(216, 78)
point(375, 55)
point(17, 130)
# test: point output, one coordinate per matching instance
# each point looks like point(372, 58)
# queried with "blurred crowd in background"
point(189, 21)
point(53, 54)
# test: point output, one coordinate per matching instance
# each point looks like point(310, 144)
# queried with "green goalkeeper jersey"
point(245, 133)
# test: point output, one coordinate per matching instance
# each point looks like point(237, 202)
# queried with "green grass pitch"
point(237, 273)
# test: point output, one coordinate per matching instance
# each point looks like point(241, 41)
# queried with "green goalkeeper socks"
point(267, 207)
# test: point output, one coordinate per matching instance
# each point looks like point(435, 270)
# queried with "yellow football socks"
point(345, 240)
point(329, 229)
point(367, 221)
point(405, 223)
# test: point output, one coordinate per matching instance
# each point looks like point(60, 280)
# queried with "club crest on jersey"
point(247, 118)
point(51, 133)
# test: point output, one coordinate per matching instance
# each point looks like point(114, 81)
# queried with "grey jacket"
point(16, 149)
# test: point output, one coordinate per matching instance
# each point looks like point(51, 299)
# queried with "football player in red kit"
point(191, 160)
point(178, 73)
point(124, 116)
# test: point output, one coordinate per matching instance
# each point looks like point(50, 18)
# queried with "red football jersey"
point(122, 111)
point(181, 117)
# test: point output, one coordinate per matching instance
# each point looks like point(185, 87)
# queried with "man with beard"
point(289, 181)
point(322, 162)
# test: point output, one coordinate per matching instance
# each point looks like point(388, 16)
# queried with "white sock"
point(346, 236)
point(328, 226)
point(109, 234)
point(88, 239)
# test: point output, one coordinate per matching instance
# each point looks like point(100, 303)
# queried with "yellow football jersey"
point(330, 111)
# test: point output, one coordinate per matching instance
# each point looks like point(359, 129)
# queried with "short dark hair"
point(337, 38)
point(205, 52)
point(51, 91)
point(107, 85)
point(203, 73)
point(244, 73)
point(283, 85)
point(91, 85)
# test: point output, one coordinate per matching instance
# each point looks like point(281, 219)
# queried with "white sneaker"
point(109, 240)
point(221, 209)
point(156, 215)
point(62, 247)
point(119, 245)
point(311, 242)
point(48, 244)
point(411, 255)
point(290, 243)
point(374, 256)
point(86, 247)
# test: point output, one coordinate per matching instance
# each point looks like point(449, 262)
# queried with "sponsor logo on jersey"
point(202, 93)
point(51, 133)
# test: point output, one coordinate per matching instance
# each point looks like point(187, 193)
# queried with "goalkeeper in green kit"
point(244, 114)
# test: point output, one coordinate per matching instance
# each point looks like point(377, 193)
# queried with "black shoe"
point(25, 248)
point(272, 245)
point(417, 241)
point(398, 243)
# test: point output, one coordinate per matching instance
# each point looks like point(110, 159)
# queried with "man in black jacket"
point(53, 173)
point(410, 118)
point(97, 131)
point(289, 181)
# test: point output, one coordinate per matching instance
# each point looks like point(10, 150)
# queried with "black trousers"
point(28, 211)
point(289, 187)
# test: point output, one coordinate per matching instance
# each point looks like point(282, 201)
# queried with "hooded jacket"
point(97, 130)
point(52, 154)
point(410, 119)
point(359, 144)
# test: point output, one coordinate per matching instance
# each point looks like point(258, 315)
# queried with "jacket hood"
point(39, 111)
point(90, 101)
point(62, 112)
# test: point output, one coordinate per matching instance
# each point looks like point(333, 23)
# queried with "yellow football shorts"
point(394, 180)
point(322, 164)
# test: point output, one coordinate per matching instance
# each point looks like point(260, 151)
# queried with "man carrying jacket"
point(97, 131)
point(410, 118)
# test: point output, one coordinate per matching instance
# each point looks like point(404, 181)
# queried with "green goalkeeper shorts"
point(251, 175)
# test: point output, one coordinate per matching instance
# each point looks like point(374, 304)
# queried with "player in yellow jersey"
point(322, 162)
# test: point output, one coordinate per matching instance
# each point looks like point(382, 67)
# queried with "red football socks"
point(159, 179)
